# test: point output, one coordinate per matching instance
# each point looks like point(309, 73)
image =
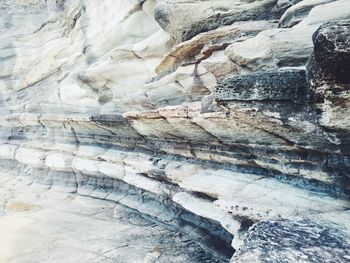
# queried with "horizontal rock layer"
point(218, 119)
point(37, 224)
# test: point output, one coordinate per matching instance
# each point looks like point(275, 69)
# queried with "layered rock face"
point(225, 120)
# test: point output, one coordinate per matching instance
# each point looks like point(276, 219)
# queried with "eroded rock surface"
point(303, 241)
point(217, 119)
point(40, 225)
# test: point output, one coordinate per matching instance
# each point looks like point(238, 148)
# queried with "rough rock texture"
point(328, 75)
point(303, 241)
point(217, 119)
point(288, 85)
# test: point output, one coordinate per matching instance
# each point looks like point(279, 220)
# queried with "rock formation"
point(227, 121)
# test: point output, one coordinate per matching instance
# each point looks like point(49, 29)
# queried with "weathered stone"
point(287, 85)
point(310, 242)
point(332, 52)
point(101, 230)
point(198, 48)
point(328, 75)
point(194, 114)
point(299, 11)
point(277, 48)
point(185, 19)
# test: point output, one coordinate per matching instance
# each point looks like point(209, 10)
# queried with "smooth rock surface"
point(40, 225)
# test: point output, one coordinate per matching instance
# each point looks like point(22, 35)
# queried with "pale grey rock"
point(278, 48)
point(299, 11)
point(89, 60)
point(196, 115)
point(38, 225)
point(185, 19)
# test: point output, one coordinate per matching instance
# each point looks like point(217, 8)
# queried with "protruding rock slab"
point(186, 19)
point(296, 13)
point(328, 72)
point(272, 85)
point(294, 241)
point(331, 54)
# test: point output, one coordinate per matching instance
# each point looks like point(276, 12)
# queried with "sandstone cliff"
point(227, 120)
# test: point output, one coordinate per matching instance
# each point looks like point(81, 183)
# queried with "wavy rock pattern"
point(219, 119)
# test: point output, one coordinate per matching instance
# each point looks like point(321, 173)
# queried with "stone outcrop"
point(310, 242)
point(219, 119)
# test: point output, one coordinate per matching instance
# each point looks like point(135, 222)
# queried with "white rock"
point(8, 151)
point(32, 157)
